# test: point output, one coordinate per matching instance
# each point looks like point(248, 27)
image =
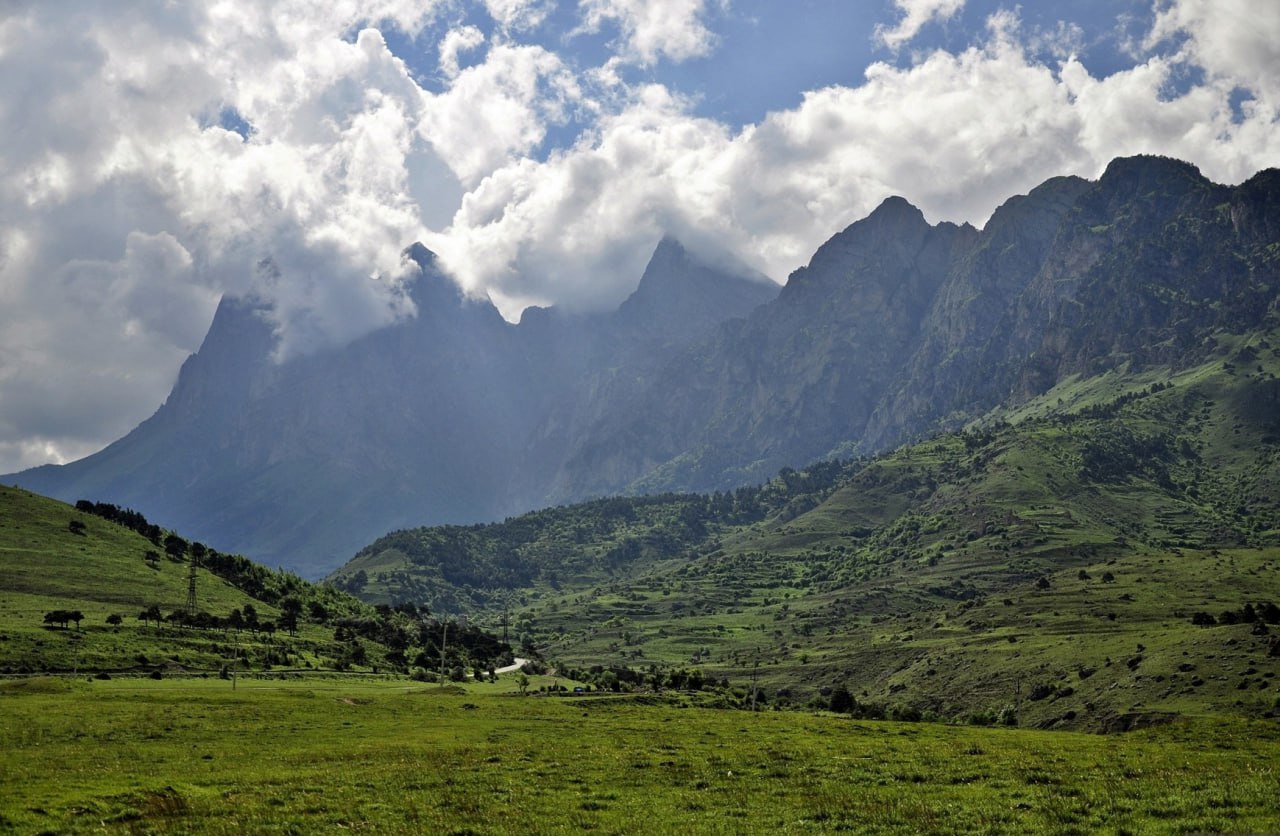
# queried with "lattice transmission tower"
point(192, 564)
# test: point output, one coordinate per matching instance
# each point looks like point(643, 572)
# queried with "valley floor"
point(395, 756)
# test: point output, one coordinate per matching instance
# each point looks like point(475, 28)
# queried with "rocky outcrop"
point(446, 417)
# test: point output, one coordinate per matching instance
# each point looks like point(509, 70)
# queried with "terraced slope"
point(1048, 562)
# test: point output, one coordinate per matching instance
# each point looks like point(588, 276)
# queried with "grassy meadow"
point(270, 756)
point(1035, 571)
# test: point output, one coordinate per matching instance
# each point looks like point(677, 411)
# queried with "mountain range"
point(706, 378)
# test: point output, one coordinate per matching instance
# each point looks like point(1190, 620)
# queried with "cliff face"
point(780, 387)
point(897, 329)
point(705, 378)
point(449, 416)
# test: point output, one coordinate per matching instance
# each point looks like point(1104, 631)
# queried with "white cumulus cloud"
point(517, 15)
point(1237, 41)
point(127, 210)
point(954, 133)
point(915, 14)
point(654, 29)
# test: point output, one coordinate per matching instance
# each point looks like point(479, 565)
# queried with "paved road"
point(519, 663)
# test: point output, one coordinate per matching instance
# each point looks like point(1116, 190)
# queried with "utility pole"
point(755, 675)
point(444, 638)
point(192, 564)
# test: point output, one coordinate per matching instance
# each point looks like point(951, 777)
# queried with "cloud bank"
point(166, 154)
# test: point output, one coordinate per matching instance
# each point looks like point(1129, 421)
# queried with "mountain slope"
point(301, 463)
point(123, 583)
point(56, 557)
point(896, 328)
point(787, 384)
point(703, 379)
point(1050, 561)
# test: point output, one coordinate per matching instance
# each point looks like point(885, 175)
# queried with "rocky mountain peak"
point(432, 288)
point(895, 210)
point(1145, 174)
point(681, 293)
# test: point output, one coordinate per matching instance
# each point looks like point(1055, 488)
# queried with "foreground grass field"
point(196, 756)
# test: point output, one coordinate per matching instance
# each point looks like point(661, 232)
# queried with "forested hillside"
point(1114, 541)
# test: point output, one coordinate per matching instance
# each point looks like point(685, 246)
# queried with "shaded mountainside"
point(301, 463)
point(1106, 552)
point(705, 379)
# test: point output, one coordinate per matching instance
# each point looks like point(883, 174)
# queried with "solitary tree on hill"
point(251, 618)
point(175, 546)
point(842, 701)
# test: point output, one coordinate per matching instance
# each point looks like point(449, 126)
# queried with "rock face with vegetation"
point(700, 381)
point(897, 329)
point(1103, 554)
point(302, 462)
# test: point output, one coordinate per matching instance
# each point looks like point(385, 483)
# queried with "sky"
point(158, 155)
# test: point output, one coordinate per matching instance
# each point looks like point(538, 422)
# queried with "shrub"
point(841, 700)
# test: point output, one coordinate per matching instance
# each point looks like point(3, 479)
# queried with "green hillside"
point(1105, 552)
point(57, 558)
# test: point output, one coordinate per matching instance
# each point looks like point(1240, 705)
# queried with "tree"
point(251, 617)
point(175, 546)
point(64, 617)
point(842, 701)
point(114, 619)
point(151, 613)
point(523, 682)
point(235, 620)
point(290, 611)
